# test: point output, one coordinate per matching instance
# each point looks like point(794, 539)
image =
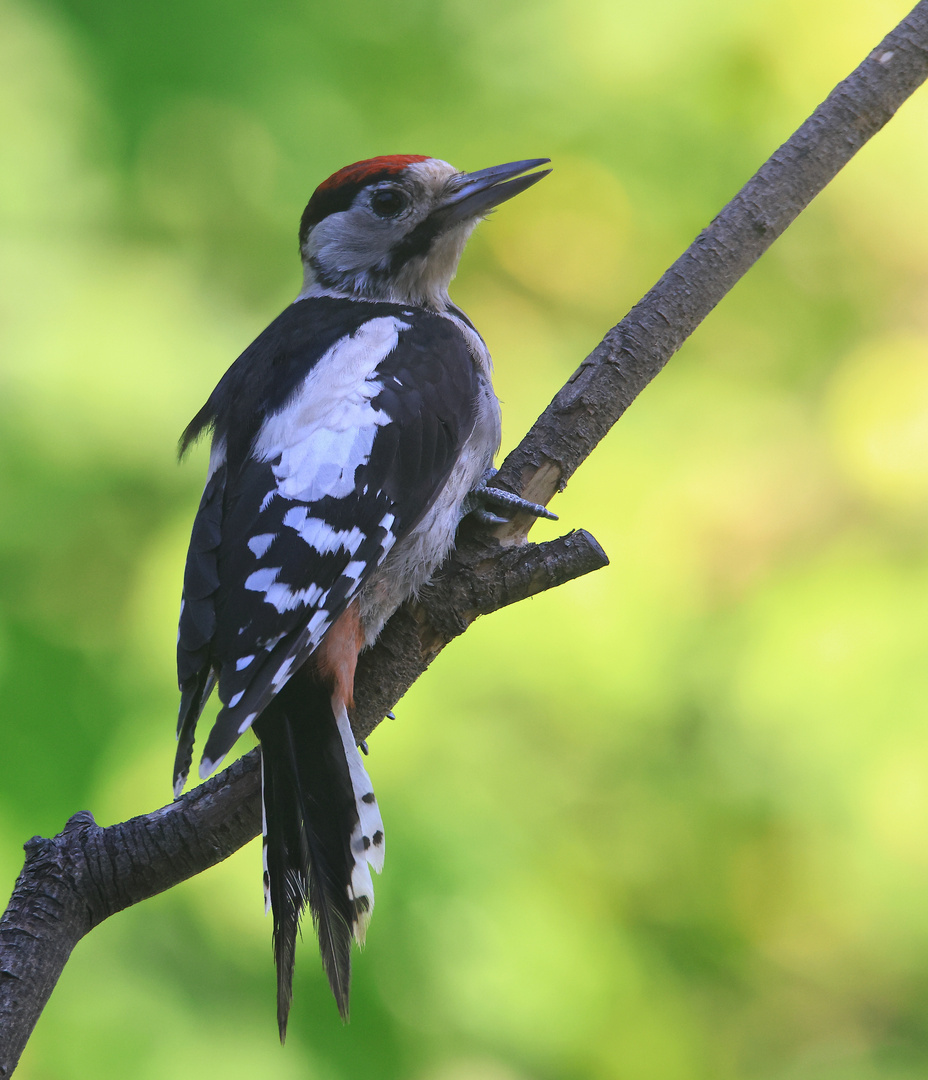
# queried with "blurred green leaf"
point(668, 823)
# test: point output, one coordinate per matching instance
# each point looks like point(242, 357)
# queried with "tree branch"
point(636, 350)
point(73, 882)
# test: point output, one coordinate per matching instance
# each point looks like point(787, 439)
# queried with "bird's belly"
point(419, 554)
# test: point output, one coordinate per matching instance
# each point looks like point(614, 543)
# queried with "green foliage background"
point(667, 823)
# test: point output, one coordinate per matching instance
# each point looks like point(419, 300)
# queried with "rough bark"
point(71, 883)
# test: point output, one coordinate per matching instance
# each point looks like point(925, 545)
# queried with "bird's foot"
point(484, 500)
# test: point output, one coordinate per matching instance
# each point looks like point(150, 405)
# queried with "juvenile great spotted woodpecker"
point(348, 440)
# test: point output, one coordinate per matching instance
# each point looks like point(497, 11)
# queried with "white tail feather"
point(267, 876)
point(367, 838)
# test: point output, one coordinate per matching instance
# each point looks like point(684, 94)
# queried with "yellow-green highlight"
point(669, 822)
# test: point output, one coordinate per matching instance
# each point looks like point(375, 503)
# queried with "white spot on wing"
point(261, 580)
point(217, 457)
point(207, 766)
point(283, 598)
point(243, 662)
point(320, 535)
point(283, 672)
point(259, 544)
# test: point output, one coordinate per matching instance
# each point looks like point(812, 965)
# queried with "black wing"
point(292, 522)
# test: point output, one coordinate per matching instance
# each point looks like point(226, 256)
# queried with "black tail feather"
point(310, 813)
point(194, 694)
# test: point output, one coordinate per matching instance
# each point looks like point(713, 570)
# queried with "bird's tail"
point(322, 832)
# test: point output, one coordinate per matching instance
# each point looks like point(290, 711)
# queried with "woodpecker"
point(348, 441)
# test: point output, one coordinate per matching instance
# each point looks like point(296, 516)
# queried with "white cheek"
point(352, 241)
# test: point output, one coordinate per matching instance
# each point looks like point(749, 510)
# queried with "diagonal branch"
point(71, 883)
point(636, 350)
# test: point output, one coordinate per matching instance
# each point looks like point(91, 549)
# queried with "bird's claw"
point(483, 497)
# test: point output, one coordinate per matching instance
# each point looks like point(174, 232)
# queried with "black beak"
point(477, 193)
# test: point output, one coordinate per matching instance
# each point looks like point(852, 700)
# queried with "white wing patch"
point(318, 440)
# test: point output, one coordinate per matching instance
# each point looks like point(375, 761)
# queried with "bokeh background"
point(668, 822)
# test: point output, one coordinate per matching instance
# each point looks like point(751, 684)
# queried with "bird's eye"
point(389, 202)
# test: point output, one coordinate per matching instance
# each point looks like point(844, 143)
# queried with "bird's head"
point(393, 228)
